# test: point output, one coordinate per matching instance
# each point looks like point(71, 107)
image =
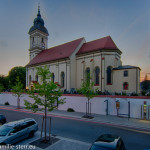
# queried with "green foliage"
point(18, 88)
point(145, 85)
point(134, 94)
point(4, 82)
point(1, 88)
point(44, 73)
point(124, 94)
point(17, 72)
point(117, 93)
point(48, 93)
point(6, 103)
point(87, 88)
point(70, 110)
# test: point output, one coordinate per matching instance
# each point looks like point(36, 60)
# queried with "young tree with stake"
point(48, 95)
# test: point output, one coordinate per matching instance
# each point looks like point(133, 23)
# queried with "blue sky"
point(126, 21)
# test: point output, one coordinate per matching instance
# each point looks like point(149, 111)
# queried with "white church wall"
point(79, 73)
point(62, 68)
point(98, 106)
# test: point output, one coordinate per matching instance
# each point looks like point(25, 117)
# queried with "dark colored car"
point(2, 119)
point(108, 142)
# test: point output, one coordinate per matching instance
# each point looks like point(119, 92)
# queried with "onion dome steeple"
point(38, 23)
point(38, 36)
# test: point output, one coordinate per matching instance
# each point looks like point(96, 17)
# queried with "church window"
point(36, 78)
point(53, 77)
point(30, 78)
point(42, 43)
point(125, 86)
point(88, 75)
point(42, 40)
point(109, 74)
point(97, 71)
point(62, 79)
point(126, 73)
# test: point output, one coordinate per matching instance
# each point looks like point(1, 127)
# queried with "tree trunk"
point(18, 103)
point(45, 140)
point(88, 106)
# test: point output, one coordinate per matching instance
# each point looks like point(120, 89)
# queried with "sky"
point(126, 21)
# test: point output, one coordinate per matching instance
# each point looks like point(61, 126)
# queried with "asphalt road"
point(86, 131)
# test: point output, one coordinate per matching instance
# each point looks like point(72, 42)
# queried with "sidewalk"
point(137, 124)
point(107, 119)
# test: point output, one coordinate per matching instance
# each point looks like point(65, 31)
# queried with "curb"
point(80, 119)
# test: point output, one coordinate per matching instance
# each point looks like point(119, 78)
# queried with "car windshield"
point(4, 130)
point(96, 147)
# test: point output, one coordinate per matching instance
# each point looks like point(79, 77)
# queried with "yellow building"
point(70, 62)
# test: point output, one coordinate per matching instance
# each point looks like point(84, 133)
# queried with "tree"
point(48, 94)
point(4, 81)
point(18, 90)
point(145, 85)
point(17, 72)
point(88, 91)
point(1, 88)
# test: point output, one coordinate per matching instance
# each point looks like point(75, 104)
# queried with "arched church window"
point(62, 79)
point(97, 71)
point(88, 75)
point(42, 43)
point(36, 78)
point(125, 85)
point(33, 42)
point(53, 77)
point(109, 74)
point(30, 78)
point(42, 40)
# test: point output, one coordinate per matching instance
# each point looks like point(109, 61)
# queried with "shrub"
point(117, 93)
point(143, 93)
point(6, 103)
point(134, 94)
point(124, 93)
point(70, 110)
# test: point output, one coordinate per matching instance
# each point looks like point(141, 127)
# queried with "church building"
point(70, 63)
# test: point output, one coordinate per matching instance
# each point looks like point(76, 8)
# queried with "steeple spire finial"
point(39, 10)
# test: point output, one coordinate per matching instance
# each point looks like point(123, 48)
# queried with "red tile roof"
point(55, 53)
point(103, 43)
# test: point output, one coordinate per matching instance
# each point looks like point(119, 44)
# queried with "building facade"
point(69, 63)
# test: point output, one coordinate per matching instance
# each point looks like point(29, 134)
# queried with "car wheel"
point(31, 134)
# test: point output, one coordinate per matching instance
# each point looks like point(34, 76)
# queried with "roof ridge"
point(65, 43)
point(99, 39)
point(109, 37)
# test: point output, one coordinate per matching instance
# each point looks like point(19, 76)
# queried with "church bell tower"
point(38, 36)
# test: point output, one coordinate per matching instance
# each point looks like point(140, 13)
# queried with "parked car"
point(108, 142)
point(15, 131)
point(2, 119)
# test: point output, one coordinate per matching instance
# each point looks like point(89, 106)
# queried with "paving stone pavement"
point(62, 144)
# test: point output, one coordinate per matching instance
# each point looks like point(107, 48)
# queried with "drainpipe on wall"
point(136, 81)
point(101, 72)
point(66, 75)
